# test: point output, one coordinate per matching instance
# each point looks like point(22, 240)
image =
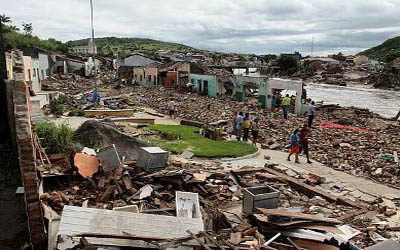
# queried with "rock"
point(356, 194)
point(367, 198)
point(275, 146)
point(291, 173)
point(345, 145)
point(93, 133)
point(390, 213)
point(378, 171)
point(280, 168)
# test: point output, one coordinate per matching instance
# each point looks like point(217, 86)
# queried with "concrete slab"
point(78, 220)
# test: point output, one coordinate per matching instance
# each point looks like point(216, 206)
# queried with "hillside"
point(15, 39)
point(387, 51)
point(111, 45)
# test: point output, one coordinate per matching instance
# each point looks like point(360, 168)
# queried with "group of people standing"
point(242, 125)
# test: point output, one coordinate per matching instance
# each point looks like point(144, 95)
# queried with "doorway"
point(205, 90)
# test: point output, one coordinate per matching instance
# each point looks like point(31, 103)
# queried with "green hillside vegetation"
point(386, 52)
point(15, 39)
point(124, 46)
point(20, 39)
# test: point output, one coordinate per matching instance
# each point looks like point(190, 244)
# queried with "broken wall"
point(97, 134)
point(27, 156)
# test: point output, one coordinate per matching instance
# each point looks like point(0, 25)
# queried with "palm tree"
point(5, 19)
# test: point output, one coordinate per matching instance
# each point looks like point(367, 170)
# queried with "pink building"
point(151, 72)
point(27, 61)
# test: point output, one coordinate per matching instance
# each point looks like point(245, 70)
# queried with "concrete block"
point(131, 208)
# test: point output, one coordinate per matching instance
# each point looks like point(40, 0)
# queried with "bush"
point(76, 112)
point(55, 139)
point(56, 108)
point(56, 105)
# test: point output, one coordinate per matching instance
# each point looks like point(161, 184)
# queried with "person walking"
point(286, 106)
point(238, 125)
point(255, 129)
point(294, 146)
point(311, 112)
point(246, 127)
point(171, 108)
point(304, 141)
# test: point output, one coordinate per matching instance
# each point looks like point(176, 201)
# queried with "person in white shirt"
point(171, 108)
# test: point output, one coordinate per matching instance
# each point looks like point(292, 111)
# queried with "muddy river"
point(383, 102)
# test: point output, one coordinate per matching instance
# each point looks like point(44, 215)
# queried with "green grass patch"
point(56, 139)
point(179, 138)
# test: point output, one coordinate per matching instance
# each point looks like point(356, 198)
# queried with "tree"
point(288, 64)
point(27, 27)
point(5, 19)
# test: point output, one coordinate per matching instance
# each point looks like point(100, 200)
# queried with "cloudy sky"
point(245, 26)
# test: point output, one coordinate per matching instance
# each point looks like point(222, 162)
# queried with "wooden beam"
point(198, 240)
point(213, 241)
point(293, 243)
point(311, 191)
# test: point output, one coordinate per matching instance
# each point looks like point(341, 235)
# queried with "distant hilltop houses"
point(91, 48)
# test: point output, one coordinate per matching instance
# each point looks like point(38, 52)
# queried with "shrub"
point(55, 139)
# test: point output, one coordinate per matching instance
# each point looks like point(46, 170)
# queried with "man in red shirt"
point(304, 141)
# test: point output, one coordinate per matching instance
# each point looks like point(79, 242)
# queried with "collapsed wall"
point(97, 134)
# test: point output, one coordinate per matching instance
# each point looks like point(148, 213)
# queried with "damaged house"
point(132, 67)
point(212, 82)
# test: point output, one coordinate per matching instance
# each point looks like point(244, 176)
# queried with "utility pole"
point(93, 44)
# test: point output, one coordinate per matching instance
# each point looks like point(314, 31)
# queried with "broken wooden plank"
point(212, 240)
point(124, 236)
point(313, 191)
point(127, 181)
point(293, 243)
point(294, 215)
point(349, 216)
point(230, 245)
point(107, 194)
point(241, 171)
point(198, 240)
point(174, 243)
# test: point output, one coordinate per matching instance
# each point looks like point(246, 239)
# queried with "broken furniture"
point(259, 197)
point(152, 158)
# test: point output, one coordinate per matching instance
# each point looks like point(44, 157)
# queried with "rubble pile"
point(220, 192)
point(363, 145)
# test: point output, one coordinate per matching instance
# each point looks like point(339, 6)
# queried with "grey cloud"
point(250, 26)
